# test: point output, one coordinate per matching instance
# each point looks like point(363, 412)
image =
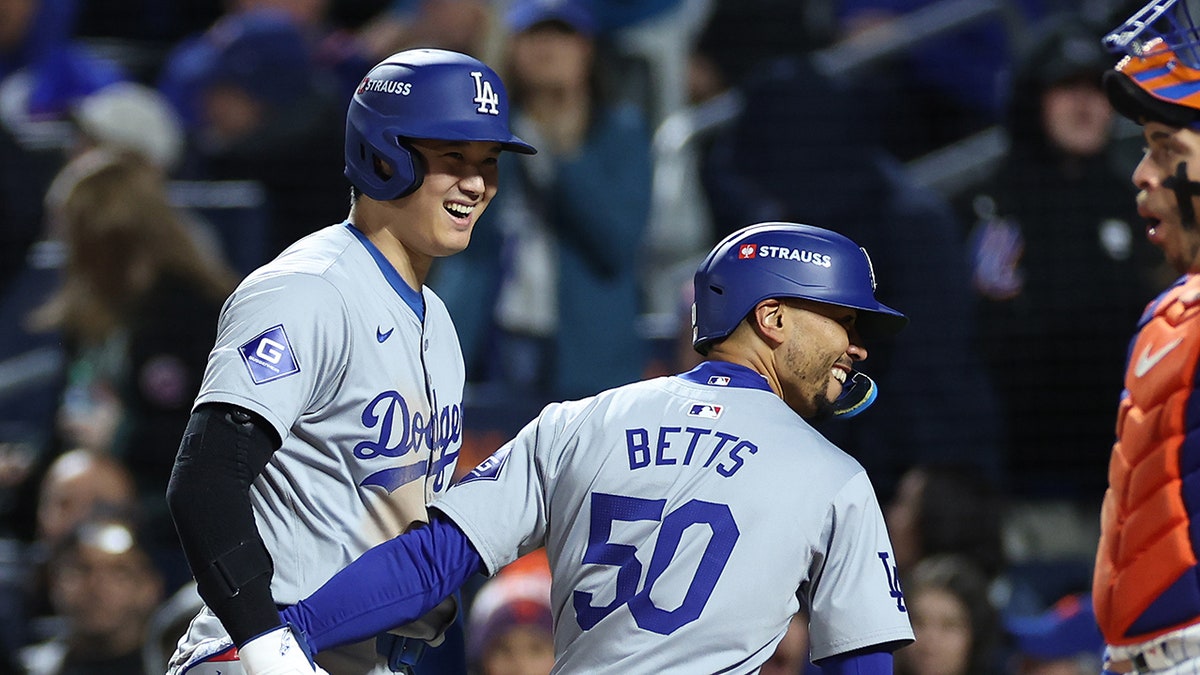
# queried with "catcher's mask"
point(1159, 77)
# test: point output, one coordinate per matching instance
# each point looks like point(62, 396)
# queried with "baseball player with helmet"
point(330, 412)
point(1146, 587)
point(686, 518)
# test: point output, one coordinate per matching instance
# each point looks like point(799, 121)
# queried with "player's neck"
point(412, 267)
point(730, 353)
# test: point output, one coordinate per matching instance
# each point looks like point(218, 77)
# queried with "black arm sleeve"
point(224, 449)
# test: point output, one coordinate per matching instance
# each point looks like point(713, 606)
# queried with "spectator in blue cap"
point(257, 108)
point(524, 15)
point(261, 54)
point(510, 628)
point(37, 39)
point(44, 71)
point(1064, 640)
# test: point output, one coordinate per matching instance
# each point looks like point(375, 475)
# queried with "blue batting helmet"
point(785, 260)
point(421, 93)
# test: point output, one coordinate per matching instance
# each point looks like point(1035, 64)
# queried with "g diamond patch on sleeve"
point(269, 356)
point(488, 469)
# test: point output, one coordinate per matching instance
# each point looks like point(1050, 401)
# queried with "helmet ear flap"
point(408, 169)
point(370, 168)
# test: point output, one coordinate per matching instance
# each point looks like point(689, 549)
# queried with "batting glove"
point(282, 651)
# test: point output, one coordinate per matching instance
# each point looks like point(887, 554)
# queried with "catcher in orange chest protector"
point(1147, 582)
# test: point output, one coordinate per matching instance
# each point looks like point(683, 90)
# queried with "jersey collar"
point(412, 298)
point(726, 374)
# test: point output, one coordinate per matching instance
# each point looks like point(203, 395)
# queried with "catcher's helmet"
point(421, 93)
point(785, 260)
point(1159, 77)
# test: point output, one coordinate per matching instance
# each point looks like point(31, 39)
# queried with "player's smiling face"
point(1166, 149)
point(460, 180)
point(815, 361)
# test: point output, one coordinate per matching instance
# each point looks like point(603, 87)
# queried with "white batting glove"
point(282, 651)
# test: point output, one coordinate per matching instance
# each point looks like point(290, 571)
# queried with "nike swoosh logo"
point(382, 336)
point(1148, 360)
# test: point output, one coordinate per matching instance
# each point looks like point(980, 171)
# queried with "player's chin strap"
point(858, 394)
point(1184, 189)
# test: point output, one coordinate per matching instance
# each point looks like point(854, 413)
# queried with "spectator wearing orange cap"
point(510, 627)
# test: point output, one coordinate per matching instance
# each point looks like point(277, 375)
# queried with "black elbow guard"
point(223, 450)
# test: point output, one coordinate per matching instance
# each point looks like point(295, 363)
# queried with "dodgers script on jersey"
point(367, 400)
point(691, 515)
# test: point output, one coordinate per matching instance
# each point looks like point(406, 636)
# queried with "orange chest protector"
point(1146, 580)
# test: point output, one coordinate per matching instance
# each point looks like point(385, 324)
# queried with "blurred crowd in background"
point(153, 153)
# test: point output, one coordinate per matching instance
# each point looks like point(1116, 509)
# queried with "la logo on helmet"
point(488, 100)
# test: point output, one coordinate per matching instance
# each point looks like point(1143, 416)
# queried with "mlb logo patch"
point(748, 251)
point(269, 356)
point(705, 410)
point(719, 380)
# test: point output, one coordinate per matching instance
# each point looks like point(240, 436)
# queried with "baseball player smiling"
point(331, 409)
point(678, 533)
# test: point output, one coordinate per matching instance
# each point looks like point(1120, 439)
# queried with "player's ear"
point(767, 319)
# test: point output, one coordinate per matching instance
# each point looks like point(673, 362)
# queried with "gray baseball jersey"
point(362, 378)
point(685, 520)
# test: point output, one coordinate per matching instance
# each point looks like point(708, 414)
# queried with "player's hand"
point(282, 651)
